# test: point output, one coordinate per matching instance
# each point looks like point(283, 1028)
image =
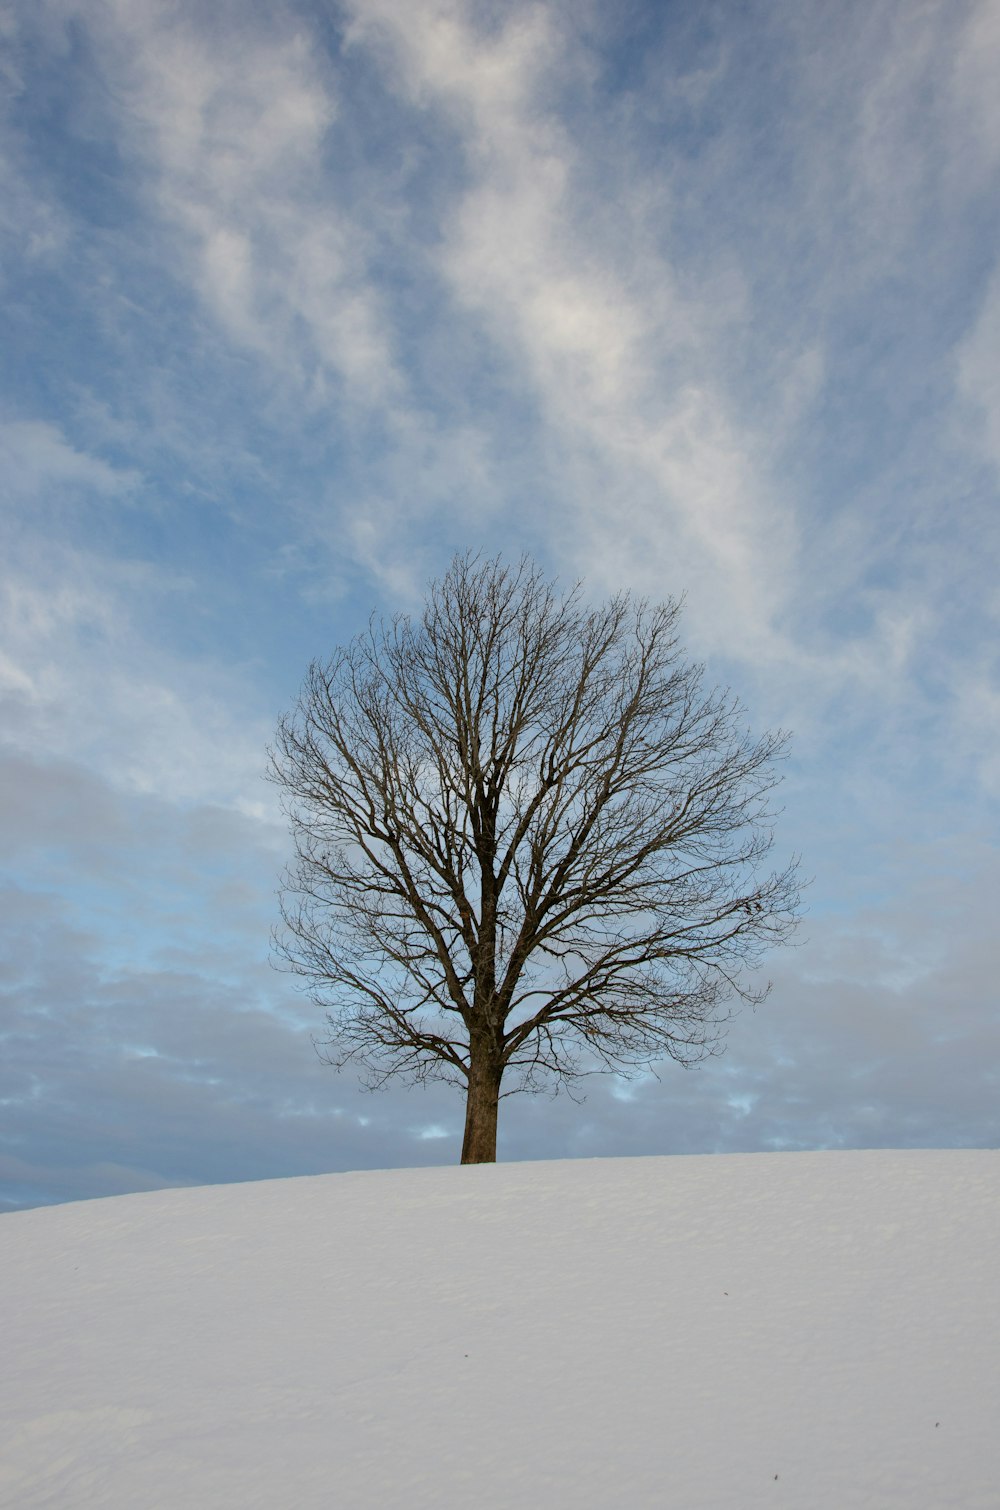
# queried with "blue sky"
point(298, 300)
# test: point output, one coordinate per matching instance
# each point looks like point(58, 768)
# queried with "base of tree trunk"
point(479, 1145)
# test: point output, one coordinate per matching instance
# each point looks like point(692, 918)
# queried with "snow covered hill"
point(806, 1331)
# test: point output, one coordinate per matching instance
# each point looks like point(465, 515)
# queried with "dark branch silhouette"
point(526, 835)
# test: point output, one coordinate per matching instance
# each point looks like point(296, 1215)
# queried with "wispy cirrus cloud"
point(978, 376)
point(678, 379)
point(38, 461)
point(594, 321)
point(231, 140)
point(80, 680)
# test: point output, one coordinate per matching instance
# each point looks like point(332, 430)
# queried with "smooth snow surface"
point(809, 1331)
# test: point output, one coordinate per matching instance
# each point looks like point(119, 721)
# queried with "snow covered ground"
point(808, 1331)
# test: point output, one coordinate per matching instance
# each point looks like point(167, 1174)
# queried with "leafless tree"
point(527, 838)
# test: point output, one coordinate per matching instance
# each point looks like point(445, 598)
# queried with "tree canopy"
point(528, 839)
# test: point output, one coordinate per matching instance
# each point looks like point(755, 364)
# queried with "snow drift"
point(812, 1331)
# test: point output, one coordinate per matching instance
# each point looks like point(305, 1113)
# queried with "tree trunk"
point(485, 1071)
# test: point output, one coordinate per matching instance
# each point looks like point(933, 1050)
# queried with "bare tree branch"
point(526, 835)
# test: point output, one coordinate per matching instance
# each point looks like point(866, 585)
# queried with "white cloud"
point(231, 127)
point(31, 224)
point(978, 375)
point(37, 460)
point(590, 337)
point(973, 93)
point(81, 679)
point(976, 701)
